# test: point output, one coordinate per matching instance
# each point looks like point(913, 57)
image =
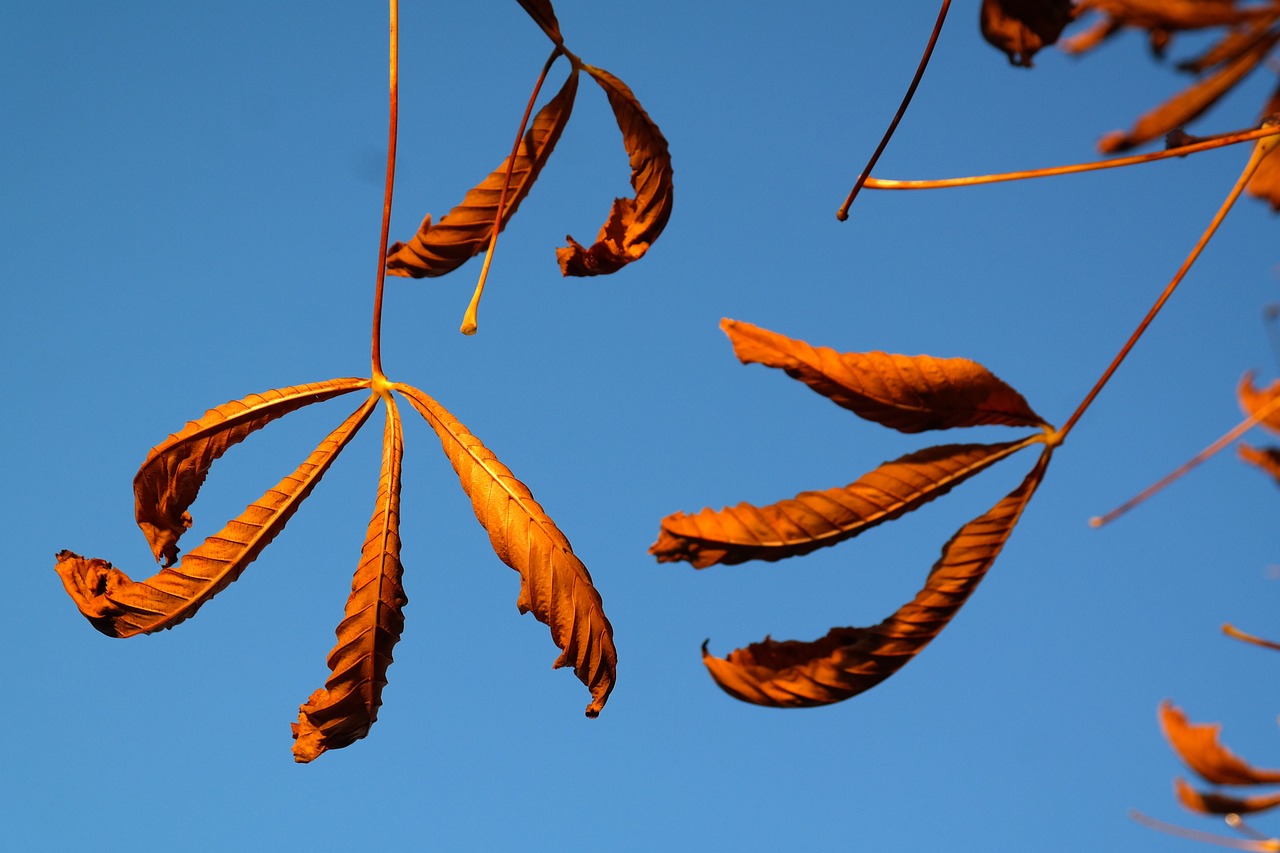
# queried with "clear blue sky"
point(189, 203)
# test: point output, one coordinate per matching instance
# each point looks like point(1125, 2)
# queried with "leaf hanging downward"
point(544, 15)
point(1198, 746)
point(1204, 802)
point(633, 223)
point(554, 584)
point(120, 607)
point(1265, 183)
point(1253, 399)
point(1022, 27)
point(175, 469)
point(848, 661)
point(465, 231)
point(343, 711)
point(812, 520)
point(908, 393)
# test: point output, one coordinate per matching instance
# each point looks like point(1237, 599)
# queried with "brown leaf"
point(544, 16)
point(848, 661)
point(120, 607)
point(908, 393)
point(1022, 27)
point(343, 711)
point(1266, 458)
point(1171, 15)
point(554, 584)
point(175, 469)
point(465, 231)
point(633, 223)
point(1205, 802)
point(1198, 746)
point(1252, 400)
point(1190, 102)
point(813, 520)
point(1265, 183)
point(1235, 41)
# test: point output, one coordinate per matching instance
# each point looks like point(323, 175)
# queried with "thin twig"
point(390, 184)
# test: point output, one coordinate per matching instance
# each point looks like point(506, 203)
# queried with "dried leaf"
point(1237, 40)
point(1198, 746)
point(813, 520)
point(1171, 15)
point(554, 584)
point(175, 469)
point(1252, 400)
point(1205, 802)
point(544, 16)
point(465, 231)
point(908, 393)
point(1190, 102)
point(1265, 183)
point(343, 711)
point(633, 223)
point(120, 607)
point(848, 661)
point(1266, 458)
point(1022, 27)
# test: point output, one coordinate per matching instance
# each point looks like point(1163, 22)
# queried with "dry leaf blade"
point(1198, 746)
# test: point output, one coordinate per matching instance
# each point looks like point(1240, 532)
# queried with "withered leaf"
point(167, 483)
point(1205, 802)
point(908, 393)
point(1265, 183)
point(813, 520)
point(465, 231)
point(633, 223)
point(1235, 41)
point(544, 16)
point(554, 584)
point(120, 607)
point(1266, 458)
point(343, 711)
point(1022, 27)
point(1190, 102)
point(1253, 400)
point(1198, 746)
point(848, 661)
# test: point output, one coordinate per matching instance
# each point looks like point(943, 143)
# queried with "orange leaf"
point(1022, 27)
point(544, 16)
point(1198, 746)
point(1205, 802)
point(168, 481)
point(346, 707)
point(812, 520)
point(1265, 183)
point(1253, 399)
point(633, 223)
point(1266, 458)
point(554, 584)
point(848, 661)
point(465, 231)
point(120, 607)
point(907, 393)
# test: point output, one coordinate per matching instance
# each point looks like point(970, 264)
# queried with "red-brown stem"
point(390, 184)
point(1228, 437)
point(1268, 846)
point(843, 213)
point(1236, 633)
point(1261, 149)
point(469, 320)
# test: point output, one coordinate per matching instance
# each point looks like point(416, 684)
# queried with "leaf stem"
point(394, 52)
point(1235, 633)
point(843, 213)
point(1151, 156)
point(1262, 148)
point(1228, 437)
point(469, 319)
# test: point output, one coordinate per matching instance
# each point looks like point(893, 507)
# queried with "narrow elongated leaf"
point(465, 231)
point(343, 711)
point(1198, 746)
point(908, 393)
point(813, 520)
point(175, 469)
point(120, 607)
point(1022, 27)
point(544, 16)
point(1205, 802)
point(633, 223)
point(554, 584)
point(848, 661)
point(1252, 400)
point(1265, 458)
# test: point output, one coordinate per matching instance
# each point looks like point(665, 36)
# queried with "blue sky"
point(190, 214)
